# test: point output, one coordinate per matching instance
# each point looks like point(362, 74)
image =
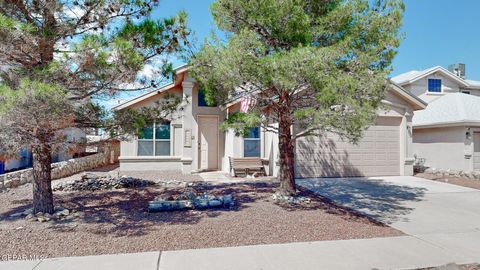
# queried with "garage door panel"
point(377, 153)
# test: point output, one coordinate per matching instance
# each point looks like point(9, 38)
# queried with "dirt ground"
point(117, 221)
point(471, 183)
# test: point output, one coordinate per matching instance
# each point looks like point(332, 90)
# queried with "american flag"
point(246, 103)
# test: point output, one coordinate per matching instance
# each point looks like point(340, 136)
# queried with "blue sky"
point(437, 32)
point(440, 32)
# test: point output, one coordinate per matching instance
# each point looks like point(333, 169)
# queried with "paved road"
point(442, 221)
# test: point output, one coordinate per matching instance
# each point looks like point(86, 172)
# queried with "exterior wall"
point(396, 111)
point(397, 107)
point(184, 135)
point(443, 148)
point(59, 170)
point(419, 88)
point(268, 144)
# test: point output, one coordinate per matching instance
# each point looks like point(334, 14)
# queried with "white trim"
point(428, 92)
point(154, 140)
point(449, 124)
point(162, 89)
point(150, 158)
point(408, 96)
point(431, 71)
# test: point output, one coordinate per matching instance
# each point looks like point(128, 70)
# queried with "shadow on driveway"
point(383, 201)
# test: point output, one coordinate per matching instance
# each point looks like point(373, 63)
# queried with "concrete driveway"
point(441, 214)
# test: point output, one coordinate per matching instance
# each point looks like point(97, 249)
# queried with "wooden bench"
point(246, 166)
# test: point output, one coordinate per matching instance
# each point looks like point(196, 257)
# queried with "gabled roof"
point(450, 110)
point(176, 81)
point(415, 75)
point(417, 103)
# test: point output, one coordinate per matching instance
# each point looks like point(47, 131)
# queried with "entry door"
point(208, 142)
point(476, 151)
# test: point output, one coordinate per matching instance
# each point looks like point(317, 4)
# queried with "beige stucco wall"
point(183, 157)
point(394, 110)
point(443, 147)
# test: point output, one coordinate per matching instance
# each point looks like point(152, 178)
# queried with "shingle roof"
point(451, 109)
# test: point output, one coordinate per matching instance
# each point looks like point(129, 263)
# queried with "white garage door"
point(377, 153)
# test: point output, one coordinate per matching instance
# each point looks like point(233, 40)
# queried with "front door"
point(476, 151)
point(208, 142)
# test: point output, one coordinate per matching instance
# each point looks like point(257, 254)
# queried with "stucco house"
point(192, 140)
point(446, 135)
point(24, 158)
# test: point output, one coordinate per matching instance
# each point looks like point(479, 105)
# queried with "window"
point(202, 102)
point(154, 140)
point(251, 143)
point(434, 85)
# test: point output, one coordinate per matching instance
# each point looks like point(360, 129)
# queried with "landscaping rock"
point(41, 219)
point(92, 182)
point(189, 200)
point(228, 200)
point(279, 198)
point(215, 203)
point(7, 184)
point(28, 212)
point(16, 215)
point(473, 175)
point(161, 206)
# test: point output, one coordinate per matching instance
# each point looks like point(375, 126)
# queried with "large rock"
point(188, 200)
point(162, 206)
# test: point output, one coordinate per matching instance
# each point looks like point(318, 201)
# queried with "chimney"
point(457, 69)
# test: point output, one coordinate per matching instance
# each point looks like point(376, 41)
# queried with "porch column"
point(188, 141)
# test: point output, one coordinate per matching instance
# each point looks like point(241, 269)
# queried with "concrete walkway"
point(215, 176)
point(443, 215)
point(442, 221)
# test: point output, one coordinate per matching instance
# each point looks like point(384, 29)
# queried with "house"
point(192, 141)
point(446, 135)
point(24, 159)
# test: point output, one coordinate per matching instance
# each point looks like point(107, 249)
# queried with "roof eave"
point(433, 70)
point(447, 124)
point(417, 102)
point(125, 105)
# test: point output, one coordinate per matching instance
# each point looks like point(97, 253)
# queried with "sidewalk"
point(404, 252)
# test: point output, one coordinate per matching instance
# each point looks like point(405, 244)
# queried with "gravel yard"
point(116, 221)
point(459, 181)
point(455, 267)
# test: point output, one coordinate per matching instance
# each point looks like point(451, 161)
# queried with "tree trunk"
point(42, 180)
point(287, 155)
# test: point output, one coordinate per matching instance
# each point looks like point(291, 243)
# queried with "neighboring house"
point(24, 159)
point(446, 135)
point(192, 140)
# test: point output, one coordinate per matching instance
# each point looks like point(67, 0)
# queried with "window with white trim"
point(154, 140)
point(434, 85)
point(251, 143)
